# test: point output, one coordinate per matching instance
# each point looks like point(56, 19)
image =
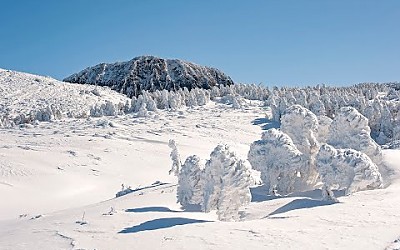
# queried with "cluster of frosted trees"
point(298, 156)
point(148, 101)
point(377, 102)
point(173, 100)
point(222, 184)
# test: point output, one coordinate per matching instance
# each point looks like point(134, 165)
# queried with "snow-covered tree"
point(324, 123)
point(232, 100)
point(278, 160)
point(346, 169)
point(190, 182)
point(227, 181)
point(142, 111)
point(175, 157)
point(301, 125)
point(349, 129)
point(316, 105)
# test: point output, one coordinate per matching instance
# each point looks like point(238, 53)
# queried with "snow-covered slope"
point(26, 98)
point(150, 73)
point(58, 180)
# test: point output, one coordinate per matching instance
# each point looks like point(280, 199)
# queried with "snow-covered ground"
point(58, 180)
point(25, 98)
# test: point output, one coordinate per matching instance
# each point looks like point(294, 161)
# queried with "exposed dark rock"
point(150, 73)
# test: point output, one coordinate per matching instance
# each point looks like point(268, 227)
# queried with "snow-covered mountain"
point(150, 73)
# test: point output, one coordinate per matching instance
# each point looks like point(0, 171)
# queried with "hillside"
point(59, 176)
point(150, 73)
point(26, 98)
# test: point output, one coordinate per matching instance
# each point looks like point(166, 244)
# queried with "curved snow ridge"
point(27, 98)
point(150, 73)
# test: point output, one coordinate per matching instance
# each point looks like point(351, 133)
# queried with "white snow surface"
point(58, 181)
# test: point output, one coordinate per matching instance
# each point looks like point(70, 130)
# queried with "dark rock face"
point(150, 73)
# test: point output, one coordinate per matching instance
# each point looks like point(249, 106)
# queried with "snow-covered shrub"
point(107, 108)
point(44, 115)
point(301, 125)
point(201, 97)
point(346, 169)
point(175, 157)
point(190, 182)
point(226, 183)
point(174, 100)
point(142, 112)
point(278, 160)
point(235, 101)
point(349, 129)
point(124, 191)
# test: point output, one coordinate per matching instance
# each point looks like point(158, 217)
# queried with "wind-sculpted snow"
point(346, 169)
point(349, 129)
point(27, 98)
point(302, 126)
point(278, 160)
point(150, 73)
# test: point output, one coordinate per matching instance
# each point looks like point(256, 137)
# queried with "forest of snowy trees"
point(379, 103)
point(327, 136)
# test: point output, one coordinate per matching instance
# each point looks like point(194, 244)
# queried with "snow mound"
point(150, 73)
point(27, 98)
point(346, 169)
point(349, 129)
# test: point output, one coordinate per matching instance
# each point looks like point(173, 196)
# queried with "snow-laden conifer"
point(190, 182)
point(301, 125)
point(278, 160)
point(226, 183)
point(349, 129)
point(346, 169)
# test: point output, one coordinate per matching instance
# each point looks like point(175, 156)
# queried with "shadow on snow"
point(187, 208)
point(260, 194)
point(160, 224)
point(265, 123)
point(129, 190)
point(150, 209)
point(300, 204)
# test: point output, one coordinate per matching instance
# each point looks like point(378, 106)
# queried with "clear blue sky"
point(274, 42)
